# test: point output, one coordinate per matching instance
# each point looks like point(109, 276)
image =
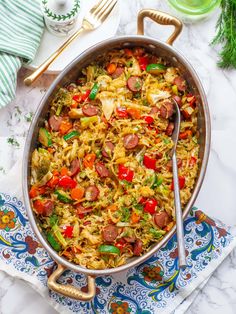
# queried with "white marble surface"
point(217, 196)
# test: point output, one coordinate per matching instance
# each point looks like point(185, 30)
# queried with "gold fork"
point(95, 17)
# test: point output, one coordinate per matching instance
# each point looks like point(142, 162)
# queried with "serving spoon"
point(177, 201)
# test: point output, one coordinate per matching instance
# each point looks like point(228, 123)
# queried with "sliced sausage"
point(167, 110)
point(74, 167)
point(89, 110)
point(130, 239)
point(83, 210)
point(55, 123)
point(102, 171)
point(134, 83)
point(130, 141)
point(110, 233)
point(181, 83)
point(108, 149)
point(71, 87)
point(91, 193)
point(138, 247)
point(170, 163)
point(118, 72)
point(178, 100)
point(154, 110)
point(170, 128)
point(161, 219)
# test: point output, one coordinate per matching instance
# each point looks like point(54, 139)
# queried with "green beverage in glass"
point(195, 7)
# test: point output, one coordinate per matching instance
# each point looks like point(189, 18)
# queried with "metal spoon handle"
point(178, 215)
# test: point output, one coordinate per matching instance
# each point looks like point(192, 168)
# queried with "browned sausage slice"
point(181, 83)
point(110, 233)
point(83, 210)
point(89, 110)
point(154, 110)
point(55, 122)
point(161, 219)
point(167, 110)
point(118, 72)
point(130, 141)
point(91, 193)
point(108, 149)
point(178, 100)
point(170, 128)
point(169, 164)
point(138, 247)
point(74, 167)
point(48, 206)
point(102, 171)
point(134, 83)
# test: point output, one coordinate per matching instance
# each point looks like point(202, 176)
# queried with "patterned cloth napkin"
point(21, 28)
point(156, 286)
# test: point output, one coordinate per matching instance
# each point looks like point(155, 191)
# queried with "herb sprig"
point(226, 34)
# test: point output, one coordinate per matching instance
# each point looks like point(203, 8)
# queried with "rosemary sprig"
point(226, 34)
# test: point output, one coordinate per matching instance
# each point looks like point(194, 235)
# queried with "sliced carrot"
point(111, 67)
point(51, 150)
point(88, 161)
point(53, 181)
point(135, 218)
point(74, 104)
point(36, 191)
point(65, 127)
point(64, 171)
point(112, 207)
point(184, 135)
point(134, 113)
point(77, 193)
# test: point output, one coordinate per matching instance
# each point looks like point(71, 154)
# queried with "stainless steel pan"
point(70, 74)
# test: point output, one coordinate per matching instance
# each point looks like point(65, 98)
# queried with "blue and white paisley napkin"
point(156, 286)
point(21, 28)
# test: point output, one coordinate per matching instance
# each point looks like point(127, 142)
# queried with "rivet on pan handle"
point(69, 290)
point(161, 18)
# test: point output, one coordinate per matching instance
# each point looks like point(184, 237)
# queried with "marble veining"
point(217, 196)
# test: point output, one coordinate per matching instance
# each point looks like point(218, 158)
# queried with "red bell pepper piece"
point(82, 96)
point(125, 173)
point(120, 244)
point(150, 206)
point(149, 162)
point(143, 62)
point(192, 161)
point(181, 183)
point(67, 183)
point(36, 191)
point(148, 119)
point(142, 200)
point(68, 231)
point(122, 112)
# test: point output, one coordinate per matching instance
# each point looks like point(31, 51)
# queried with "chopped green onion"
point(63, 196)
point(58, 235)
point(71, 135)
point(94, 91)
point(54, 244)
point(45, 137)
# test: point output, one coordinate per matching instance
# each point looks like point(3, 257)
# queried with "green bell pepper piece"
point(63, 196)
point(58, 235)
point(157, 233)
point(45, 137)
point(94, 91)
point(108, 249)
point(53, 220)
point(156, 68)
point(71, 135)
point(54, 244)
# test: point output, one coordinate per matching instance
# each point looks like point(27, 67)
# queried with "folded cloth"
point(155, 286)
point(21, 28)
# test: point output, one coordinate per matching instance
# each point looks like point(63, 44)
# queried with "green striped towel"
point(21, 28)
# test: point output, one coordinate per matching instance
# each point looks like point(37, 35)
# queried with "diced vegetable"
point(125, 173)
point(71, 135)
point(77, 193)
point(65, 127)
point(36, 191)
point(85, 121)
point(150, 206)
point(51, 239)
point(184, 135)
point(68, 231)
point(57, 233)
point(192, 161)
point(157, 233)
point(135, 217)
point(143, 62)
point(175, 89)
point(124, 214)
point(149, 162)
point(122, 112)
point(63, 196)
point(156, 68)
point(64, 171)
point(181, 183)
point(108, 249)
point(148, 119)
point(59, 109)
point(94, 91)
point(45, 137)
point(67, 183)
point(53, 220)
point(111, 67)
point(134, 113)
point(88, 161)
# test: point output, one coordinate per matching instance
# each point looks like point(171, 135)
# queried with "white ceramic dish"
point(51, 42)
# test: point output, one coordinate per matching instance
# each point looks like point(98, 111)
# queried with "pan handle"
point(161, 18)
point(69, 290)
